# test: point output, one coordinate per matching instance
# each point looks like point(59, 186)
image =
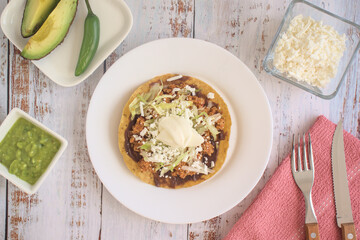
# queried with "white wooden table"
point(73, 203)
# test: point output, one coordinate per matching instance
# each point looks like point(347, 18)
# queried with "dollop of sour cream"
point(177, 132)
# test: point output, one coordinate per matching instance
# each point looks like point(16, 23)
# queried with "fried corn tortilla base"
point(148, 177)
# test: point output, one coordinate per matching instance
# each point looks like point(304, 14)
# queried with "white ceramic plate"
point(115, 23)
point(250, 141)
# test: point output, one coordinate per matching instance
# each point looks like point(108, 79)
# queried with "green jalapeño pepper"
point(90, 41)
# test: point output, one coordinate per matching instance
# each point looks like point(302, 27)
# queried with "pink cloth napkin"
point(278, 212)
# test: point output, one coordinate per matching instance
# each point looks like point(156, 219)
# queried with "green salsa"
point(27, 150)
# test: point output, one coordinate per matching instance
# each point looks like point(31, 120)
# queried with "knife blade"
point(344, 215)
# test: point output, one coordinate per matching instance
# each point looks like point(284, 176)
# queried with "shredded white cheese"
point(210, 95)
point(175, 90)
point(191, 90)
point(164, 154)
point(309, 51)
point(198, 167)
point(137, 138)
point(141, 108)
point(143, 132)
point(174, 78)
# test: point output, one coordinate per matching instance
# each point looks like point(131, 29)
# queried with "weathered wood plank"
point(83, 188)
point(72, 204)
point(68, 204)
point(3, 71)
point(155, 20)
point(3, 112)
point(346, 104)
point(246, 29)
point(121, 223)
point(152, 20)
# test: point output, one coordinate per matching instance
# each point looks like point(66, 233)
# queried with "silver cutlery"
point(304, 178)
point(344, 216)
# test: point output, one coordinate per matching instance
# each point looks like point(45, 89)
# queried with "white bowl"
point(115, 24)
point(9, 121)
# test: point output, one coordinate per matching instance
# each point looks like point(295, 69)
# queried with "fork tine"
point(304, 154)
point(311, 157)
point(293, 168)
point(304, 179)
point(299, 155)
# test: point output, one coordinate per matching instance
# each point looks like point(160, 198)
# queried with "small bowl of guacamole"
point(28, 150)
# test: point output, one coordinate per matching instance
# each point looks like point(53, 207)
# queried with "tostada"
point(174, 131)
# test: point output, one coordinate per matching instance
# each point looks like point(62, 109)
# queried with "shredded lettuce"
point(144, 155)
point(202, 114)
point(165, 106)
point(141, 98)
point(156, 109)
point(134, 107)
point(164, 170)
point(154, 91)
point(146, 98)
point(146, 146)
point(158, 166)
point(171, 167)
point(195, 110)
point(210, 122)
point(153, 103)
point(161, 97)
point(178, 160)
point(202, 129)
point(148, 122)
point(214, 118)
point(214, 132)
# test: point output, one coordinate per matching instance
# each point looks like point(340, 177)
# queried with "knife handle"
point(312, 231)
point(348, 231)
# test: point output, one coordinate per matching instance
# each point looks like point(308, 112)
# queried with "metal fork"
point(304, 178)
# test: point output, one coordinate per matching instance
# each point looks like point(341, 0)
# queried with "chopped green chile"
point(27, 150)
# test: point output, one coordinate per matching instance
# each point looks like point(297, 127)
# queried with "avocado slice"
point(35, 14)
point(52, 32)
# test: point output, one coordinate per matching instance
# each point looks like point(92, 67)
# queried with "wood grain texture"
point(346, 104)
point(79, 187)
point(312, 231)
point(68, 204)
point(72, 203)
point(3, 112)
point(246, 28)
point(348, 231)
point(152, 20)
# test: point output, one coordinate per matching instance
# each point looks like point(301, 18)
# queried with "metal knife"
point(344, 216)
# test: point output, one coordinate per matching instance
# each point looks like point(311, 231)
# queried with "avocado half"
point(35, 14)
point(52, 32)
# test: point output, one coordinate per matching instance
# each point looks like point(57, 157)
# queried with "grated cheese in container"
point(309, 51)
